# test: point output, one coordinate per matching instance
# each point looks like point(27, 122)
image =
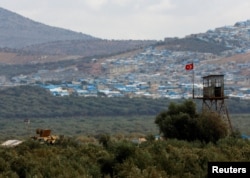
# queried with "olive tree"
point(181, 121)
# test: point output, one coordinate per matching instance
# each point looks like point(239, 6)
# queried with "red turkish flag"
point(189, 66)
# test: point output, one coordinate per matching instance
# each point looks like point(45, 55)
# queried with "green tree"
point(182, 122)
point(211, 127)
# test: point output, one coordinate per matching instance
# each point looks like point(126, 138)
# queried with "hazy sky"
point(133, 19)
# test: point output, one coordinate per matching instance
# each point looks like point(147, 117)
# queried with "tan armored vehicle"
point(44, 136)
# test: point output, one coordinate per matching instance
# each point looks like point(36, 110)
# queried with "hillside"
point(238, 58)
point(23, 40)
point(85, 48)
point(129, 62)
point(17, 31)
point(16, 58)
point(193, 44)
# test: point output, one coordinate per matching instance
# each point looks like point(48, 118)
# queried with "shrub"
point(182, 122)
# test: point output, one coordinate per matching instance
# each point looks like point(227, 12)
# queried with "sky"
point(133, 19)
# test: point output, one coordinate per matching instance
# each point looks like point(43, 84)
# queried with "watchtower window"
point(206, 83)
point(218, 83)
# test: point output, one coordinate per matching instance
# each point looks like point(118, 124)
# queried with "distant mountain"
point(30, 37)
point(17, 31)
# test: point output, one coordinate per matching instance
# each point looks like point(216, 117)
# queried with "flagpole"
point(190, 66)
point(193, 78)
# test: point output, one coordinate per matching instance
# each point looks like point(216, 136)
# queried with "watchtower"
point(213, 97)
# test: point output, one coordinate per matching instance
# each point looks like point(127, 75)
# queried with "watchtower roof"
point(211, 76)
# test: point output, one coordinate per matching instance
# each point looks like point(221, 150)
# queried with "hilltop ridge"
point(31, 40)
point(17, 31)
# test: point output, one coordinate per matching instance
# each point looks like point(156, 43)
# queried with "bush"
point(182, 122)
point(212, 127)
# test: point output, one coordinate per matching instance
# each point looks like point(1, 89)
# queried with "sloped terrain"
point(88, 47)
point(24, 41)
point(193, 44)
point(11, 58)
point(238, 58)
point(17, 31)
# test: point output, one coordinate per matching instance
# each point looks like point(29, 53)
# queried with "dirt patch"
point(14, 58)
point(238, 58)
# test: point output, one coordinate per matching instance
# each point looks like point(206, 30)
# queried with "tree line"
point(33, 101)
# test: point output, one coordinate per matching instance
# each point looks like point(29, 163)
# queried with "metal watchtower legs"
point(218, 106)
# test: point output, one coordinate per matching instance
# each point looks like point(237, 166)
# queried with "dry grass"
point(238, 58)
point(14, 58)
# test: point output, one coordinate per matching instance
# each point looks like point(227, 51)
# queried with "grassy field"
point(18, 129)
point(242, 122)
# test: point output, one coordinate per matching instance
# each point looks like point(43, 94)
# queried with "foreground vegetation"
point(100, 154)
point(121, 158)
point(181, 121)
